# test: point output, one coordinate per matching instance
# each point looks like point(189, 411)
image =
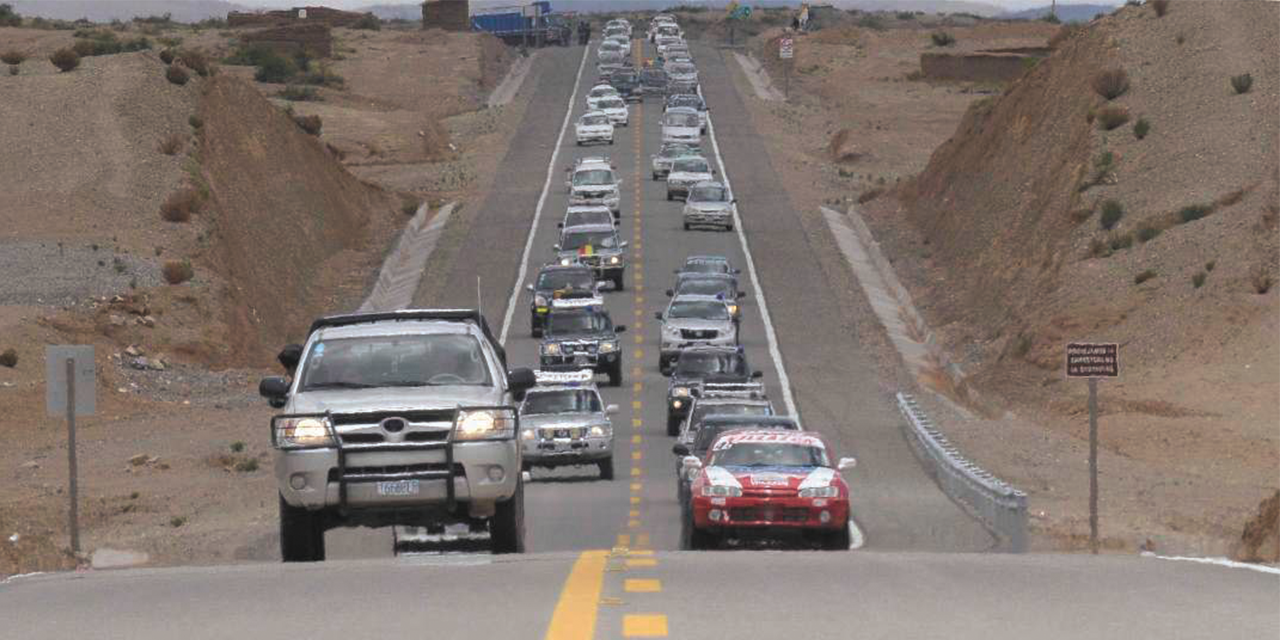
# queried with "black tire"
point(606, 469)
point(686, 226)
point(836, 540)
point(506, 527)
point(611, 142)
point(617, 282)
point(669, 197)
point(656, 177)
point(673, 425)
point(686, 530)
point(728, 227)
point(615, 374)
point(702, 540)
point(578, 142)
point(301, 534)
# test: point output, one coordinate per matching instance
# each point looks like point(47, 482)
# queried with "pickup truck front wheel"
point(506, 528)
point(301, 534)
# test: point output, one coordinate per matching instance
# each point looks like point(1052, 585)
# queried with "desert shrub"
point(1112, 211)
point(1144, 276)
point(247, 465)
point(871, 21)
point(9, 358)
point(300, 94)
point(14, 69)
point(195, 121)
point(1098, 248)
point(1111, 84)
point(869, 195)
point(169, 43)
point(311, 124)
point(195, 61)
point(1260, 279)
point(1242, 83)
point(1052, 18)
point(1111, 117)
point(177, 521)
point(1198, 279)
point(1141, 128)
point(177, 271)
point(1194, 212)
point(942, 39)
point(8, 18)
point(1208, 266)
point(172, 144)
point(368, 22)
point(1161, 6)
point(237, 447)
point(180, 206)
point(1120, 241)
point(177, 75)
point(13, 57)
point(1146, 233)
point(1231, 198)
point(167, 56)
point(275, 69)
point(320, 75)
point(104, 43)
point(65, 59)
point(250, 56)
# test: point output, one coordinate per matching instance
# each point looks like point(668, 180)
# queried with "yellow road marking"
point(641, 562)
point(639, 312)
point(637, 585)
point(636, 455)
point(641, 552)
point(635, 422)
point(635, 371)
point(633, 524)
point(635, 487)
point(635, 404)
point(574, 617)
point(639, 339)
point(644, 625)
point(639, 353)
point(637, 387)
point(624, 540)
point(635, 439)
point(639, 299)
point(635, 471)
point(635, 499)
point(635, 513)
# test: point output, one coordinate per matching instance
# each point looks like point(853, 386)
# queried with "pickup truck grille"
point(430, 416)
point(396, 471)
point(576, 348)
point(548, 433)
point(699, 334)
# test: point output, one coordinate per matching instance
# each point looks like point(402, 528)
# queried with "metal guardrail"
point(1000, 508)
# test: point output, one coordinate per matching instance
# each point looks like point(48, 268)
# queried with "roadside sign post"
point(69, 391)
point(786, 51)
point(1093, 361)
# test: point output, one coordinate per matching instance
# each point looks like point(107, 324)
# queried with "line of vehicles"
point(415, 418)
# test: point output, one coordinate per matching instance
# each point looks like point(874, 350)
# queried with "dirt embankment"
point(297, 234)
point(1044, 223)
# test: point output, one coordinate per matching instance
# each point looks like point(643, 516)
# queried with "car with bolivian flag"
point(768, 483)
point(597, 246)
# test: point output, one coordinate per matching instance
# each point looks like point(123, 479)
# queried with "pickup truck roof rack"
point(456, 315)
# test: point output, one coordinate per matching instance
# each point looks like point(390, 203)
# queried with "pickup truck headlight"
point(302, 432)
point(608, 346)
point(484, 424)
point(528, 434)
point(600, 431)
point(733, 309)
point(539, 300)
point(551, 349)
point(720, 490)
point(829, 491)
point(615, 260)
point(671, 331)
point(680, 392)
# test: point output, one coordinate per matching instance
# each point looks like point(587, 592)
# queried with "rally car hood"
point(392, 399)
point(781, 479)
point(593, 188)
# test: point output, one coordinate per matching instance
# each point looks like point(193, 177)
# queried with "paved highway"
point(602, 561)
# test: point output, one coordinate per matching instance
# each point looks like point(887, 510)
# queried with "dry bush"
point(942, 39)
point(1112, 211)
point(868, 196)
point(1231, 198)
point(9, 358)
point(167, 56)
point(1161, 6)
point(13, 57)
point(1261, 280)
point(1141, 128)
point(1111, 84)
point(1098, 248)
point(1194, 212)
point(1198, 279)
point(181, 205)
point(1120, 241)
point(178, 272)
point(1111, 117)
point(195, 61)
point(1147, 233)
point(177, 75)
point(1144, 276)
point(311, 124)
point(65, 59)
point(172, 144)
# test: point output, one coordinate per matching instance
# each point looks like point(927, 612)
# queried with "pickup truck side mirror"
point(556, 247)
point(529, 287)
point(275, 389)
point(680, 449)
point(620, 328)
point(670, 293)
point(622, 245)
point(757, 374)
point(521, 380)
point(658, 315)
point(611, 410)
point(847, 463)
point(559, 225)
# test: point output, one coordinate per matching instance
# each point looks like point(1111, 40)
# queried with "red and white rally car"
point(765, 482)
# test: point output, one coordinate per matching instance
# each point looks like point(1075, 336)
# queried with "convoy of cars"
point(415, 418)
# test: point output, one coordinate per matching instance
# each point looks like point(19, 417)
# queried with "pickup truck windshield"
point(395, 361)
point(693, 363)
point(568, 322)
point(690, 165)
point(567, 279)
point(708, 194)
point(592, 177)
point(704, 309)
point(575, 240)
point(565, 401)
point(707, 287)
point(680, 120)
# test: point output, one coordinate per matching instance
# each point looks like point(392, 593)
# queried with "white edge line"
point(1221, 562)
point(542, 199)
point(774, 352)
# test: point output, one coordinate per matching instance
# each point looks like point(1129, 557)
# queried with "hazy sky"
point(352, 4)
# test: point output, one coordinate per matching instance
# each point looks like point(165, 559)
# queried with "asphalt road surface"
point(602, 559)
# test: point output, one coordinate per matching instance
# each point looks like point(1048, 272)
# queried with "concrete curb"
point(758, 77)
point(402, 270)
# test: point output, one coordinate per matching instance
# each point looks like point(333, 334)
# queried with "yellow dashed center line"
point(574, 617)
point(644, 625)
point(635, 439)
point(635, 487)
point(640, 562)
point(638, 585)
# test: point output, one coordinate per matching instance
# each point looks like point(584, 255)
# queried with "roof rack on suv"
point(456, 315)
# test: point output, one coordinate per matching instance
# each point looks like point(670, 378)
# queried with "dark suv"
point(627, 82)
point(578, 335)
point(722, 367)
point(653, 82)
point(556, 282)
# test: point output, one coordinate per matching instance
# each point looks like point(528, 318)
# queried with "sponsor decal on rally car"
point(782, 437)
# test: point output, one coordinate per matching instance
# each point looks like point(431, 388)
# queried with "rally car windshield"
point(578, 218)
point(567, 280)
point(595, 120)
point(681, 120)
point(577, 322)
point(567, 401)
point(769, 454)
point(580, 239)
point(706, 310)
point(592, 177)
point(708, 194)
point(700, 364)
point(395, 361)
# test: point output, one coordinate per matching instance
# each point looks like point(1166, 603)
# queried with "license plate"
point(398, 488)
point(581, 360)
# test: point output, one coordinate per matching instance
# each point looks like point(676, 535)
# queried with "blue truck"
point(532, 24)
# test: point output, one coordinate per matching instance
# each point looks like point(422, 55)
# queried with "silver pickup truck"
point(399, 418)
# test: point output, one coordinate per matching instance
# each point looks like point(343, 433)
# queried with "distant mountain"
point(1066, 12)
point(394, 11)
point(927, 6)
point(98, 11)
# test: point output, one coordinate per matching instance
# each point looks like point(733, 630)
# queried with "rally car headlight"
point(680, 392)
point(540, 300)
point(600, 430)
point(609, 346)
point(302, 432)
point(551, 349)
point(829, 491)
point(720, 490)
point(484, 424)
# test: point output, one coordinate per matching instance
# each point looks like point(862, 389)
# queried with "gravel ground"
point(43, 273)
